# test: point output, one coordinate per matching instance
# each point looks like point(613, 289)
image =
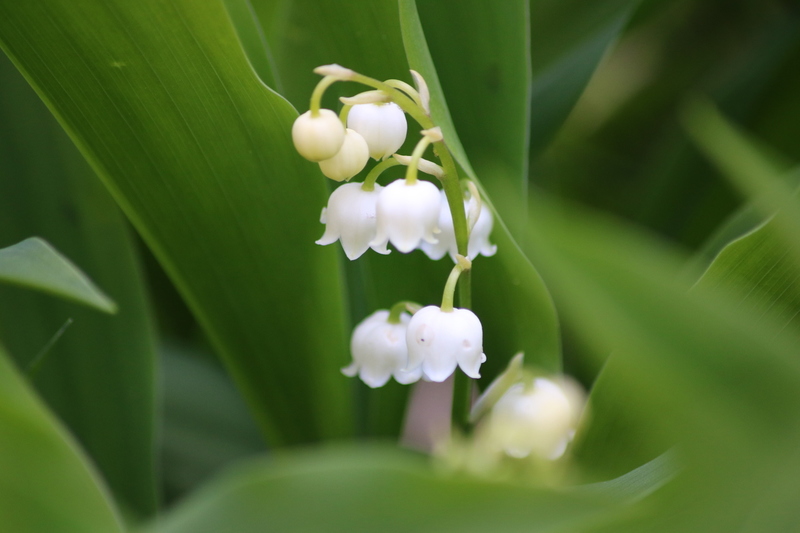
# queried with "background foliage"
point(640, 156)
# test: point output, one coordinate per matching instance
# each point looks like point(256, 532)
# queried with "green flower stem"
point(463, 265)
point(344, 112)
point(399, 308)
point(377, 170)
point(416, 155)
point(319, 90)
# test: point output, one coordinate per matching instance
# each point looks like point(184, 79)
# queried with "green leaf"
point(709, 374)
point(200, 437)
point(764, 273)
point(363, 35)
point(197, 151)
point(99, 377)
point(507, 281)
point(372, 489)
point(46, 483)
point(253, 41)
point(568, 40)
point(34, 264)
point(482, 60)
point(640, 482)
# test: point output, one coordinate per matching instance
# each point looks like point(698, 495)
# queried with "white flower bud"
point(318, 138)
point(351, 158)
point(438, 341)
point(379, 351)
point(407, 214)
point(383, 126)
point(350, 218)
point(539, 419)
point(478, 238)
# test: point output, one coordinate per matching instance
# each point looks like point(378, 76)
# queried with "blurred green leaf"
point(46, 483)
point(640, 482)
point(568, 40)
point(508, 280)
point(716, 380)
point(163, 103)
point(747, 167)
point(99, 377)
point(760, 267)
point(34, 264)
point(373, 489)
point(200, 437)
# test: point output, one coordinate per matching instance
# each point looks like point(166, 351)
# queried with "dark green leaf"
point(163, 103)
point(99, 376)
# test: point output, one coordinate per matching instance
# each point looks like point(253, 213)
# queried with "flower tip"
point(334, 70)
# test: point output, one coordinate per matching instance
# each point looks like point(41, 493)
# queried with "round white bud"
point(351, 158)
point(318, 137)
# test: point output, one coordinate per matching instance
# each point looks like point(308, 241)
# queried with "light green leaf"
point(197, 151)
point(507, 281)
point(46, 483)
point(99, 377)
point(371, 488)
point(34, 264)
point(640, 482)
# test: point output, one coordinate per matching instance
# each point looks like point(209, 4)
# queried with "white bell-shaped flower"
point(538, 419)
point(379, 351)
point(438, 341)
point(446, 238)
point(350, 218)
point(351, 158)
point(407, 214)
point(478, 238)
point(383, 126)
point(318, 137)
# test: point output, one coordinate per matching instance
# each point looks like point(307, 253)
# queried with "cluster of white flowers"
point(429, 345)
point(408, 213)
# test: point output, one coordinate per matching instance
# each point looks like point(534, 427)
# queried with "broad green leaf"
point(34, 264)
point(200, 437)
point(712, 377)
point(371, 488)
point(507, 281)
point(482, 59)
point(46, 482)
point(197, 151)
point(568, 40)
point(99, 376)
